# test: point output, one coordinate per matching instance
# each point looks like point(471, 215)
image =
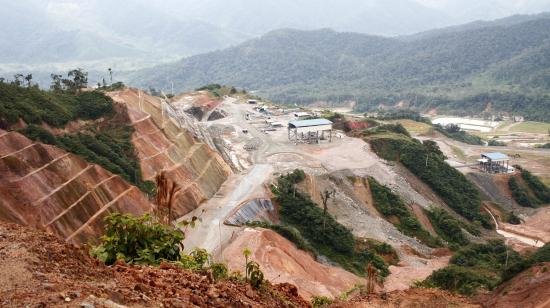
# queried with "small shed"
point(494, 162)
point(309, 130)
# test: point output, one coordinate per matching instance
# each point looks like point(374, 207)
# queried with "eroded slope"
point(172, 143)
point(45, 187)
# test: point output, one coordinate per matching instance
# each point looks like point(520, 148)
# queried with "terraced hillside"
point(47, 188)
point(163, 145)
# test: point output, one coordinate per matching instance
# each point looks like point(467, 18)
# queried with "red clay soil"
point(412, 298)
point(39, 270)
point(162, 145)
point(281, 261)
point(45, 187)
point(529, 289)
point(423, 219)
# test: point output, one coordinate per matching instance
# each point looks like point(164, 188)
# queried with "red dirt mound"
point(408, 299)
point(531, 288)
point(39, 270)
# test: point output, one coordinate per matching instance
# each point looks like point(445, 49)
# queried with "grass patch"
point(531, 127)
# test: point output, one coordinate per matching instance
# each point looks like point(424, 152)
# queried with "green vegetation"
point(531, 127)
point(399, 114)
point(453, 131)
point(320, 301)
point(539, 189)
point(475, 267)
point(520, 194)
point(543, 146)
point(218, 90)
point(139, 240)
point(112, 149)
point(329, 237)
point(289, 233)
point(427, 163)
point(108, 144)
point(448, 227)
point(393, 208)
point(144, 240)
point(496, 143)
point(458, 72)
point(55, 108)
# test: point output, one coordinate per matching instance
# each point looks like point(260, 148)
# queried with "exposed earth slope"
point(40, 270)
point(45, 187)
point(162, 144)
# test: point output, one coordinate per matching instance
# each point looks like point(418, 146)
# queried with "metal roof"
point(306, 123)
point(496, 156)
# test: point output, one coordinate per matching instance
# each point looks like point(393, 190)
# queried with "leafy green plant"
point(139, 240)
point(254, 275)
point(219, 271)
point(320, 301)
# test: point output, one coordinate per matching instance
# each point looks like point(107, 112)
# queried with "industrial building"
point(310, 131)
point(495, 163)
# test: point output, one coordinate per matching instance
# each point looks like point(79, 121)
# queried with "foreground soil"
point(431, 298)
point(40, 270)
point(531, 288)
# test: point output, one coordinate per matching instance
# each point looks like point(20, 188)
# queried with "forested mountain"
point(505, 63)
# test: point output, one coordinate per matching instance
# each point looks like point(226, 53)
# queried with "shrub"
point(320, 301)
point(458, 279)
point(390, 205)
point(541, 191)
point(447, 226)
point(519, 194)
point(139, 240)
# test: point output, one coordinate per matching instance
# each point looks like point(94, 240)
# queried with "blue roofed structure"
point(306, 123)
point(495, 156)
point(309, 131)
point(495, 163)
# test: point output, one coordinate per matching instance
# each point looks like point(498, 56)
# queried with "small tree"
point(246, 254)
point(56, 82)
point(325, 196)
point(110, 74)
point(17, 79)
point(80, 79)
point(28, 78)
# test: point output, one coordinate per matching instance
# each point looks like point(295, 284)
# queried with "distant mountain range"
point(504, 57)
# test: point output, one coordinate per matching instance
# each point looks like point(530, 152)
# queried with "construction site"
point(225, 153)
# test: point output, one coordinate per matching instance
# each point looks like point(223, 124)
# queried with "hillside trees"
point(328, 237)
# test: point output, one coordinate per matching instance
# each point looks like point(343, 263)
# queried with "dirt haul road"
point(210, 232)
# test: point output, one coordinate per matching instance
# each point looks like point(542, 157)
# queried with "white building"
point(309, 130)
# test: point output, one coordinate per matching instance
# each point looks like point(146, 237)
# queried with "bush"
point(496, 143)
point(519, 194)
point(541, 191)
point(454, 132)
point(390, 205)
point(447, 227)
point(140, 240)
point(458, 279)
point(320, 301)
point(93, 105)
point(112, 149)
point(478, 266)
